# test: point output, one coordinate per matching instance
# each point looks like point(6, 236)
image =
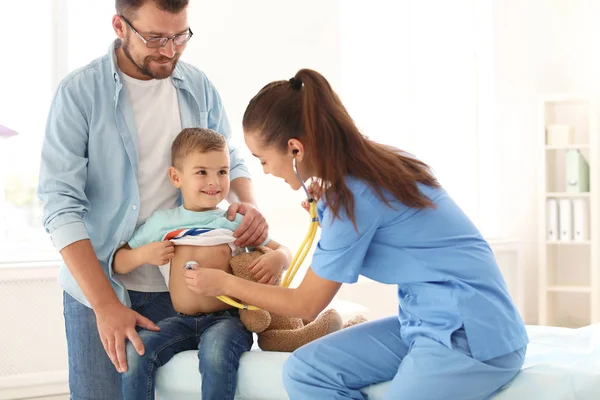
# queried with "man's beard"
point(145, 67)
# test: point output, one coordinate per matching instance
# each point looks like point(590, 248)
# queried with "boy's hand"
point(266, 268)
point(157, 253)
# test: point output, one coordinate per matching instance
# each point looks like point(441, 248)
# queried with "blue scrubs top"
point(446, 273)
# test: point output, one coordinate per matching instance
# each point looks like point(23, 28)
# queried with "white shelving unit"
point(569, 271)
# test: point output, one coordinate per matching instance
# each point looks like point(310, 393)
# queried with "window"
point(75, 35)
point(26, 74)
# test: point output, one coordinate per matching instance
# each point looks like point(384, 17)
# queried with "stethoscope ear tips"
point(295, 166)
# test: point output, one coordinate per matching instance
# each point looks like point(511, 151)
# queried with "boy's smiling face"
point(203, 179)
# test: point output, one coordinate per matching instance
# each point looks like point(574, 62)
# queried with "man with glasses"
point(105, 153)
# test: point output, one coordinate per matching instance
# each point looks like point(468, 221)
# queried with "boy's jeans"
point(92, 376)
point(220, 338)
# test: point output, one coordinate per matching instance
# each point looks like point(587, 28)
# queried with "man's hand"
point(117, 323)
point(157, 253)
point(254, 228)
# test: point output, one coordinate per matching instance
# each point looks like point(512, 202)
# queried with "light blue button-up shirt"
point(88, 175)
point(446, 273)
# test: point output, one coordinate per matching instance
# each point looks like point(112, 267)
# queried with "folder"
point(552, 220)
point(581, 220)
point(578, 172)
point(565, 220)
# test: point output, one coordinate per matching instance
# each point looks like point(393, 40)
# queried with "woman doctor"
point(383, 215)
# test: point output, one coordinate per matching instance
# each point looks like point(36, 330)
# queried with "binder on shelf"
point(581, 227)
point(565, 220)
point(552, 228)
point(578, 172)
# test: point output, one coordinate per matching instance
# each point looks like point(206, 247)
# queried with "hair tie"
point(296, 83)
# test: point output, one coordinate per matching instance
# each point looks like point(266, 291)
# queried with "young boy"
point(199, 232)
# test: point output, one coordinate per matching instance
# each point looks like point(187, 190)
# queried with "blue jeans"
point(338, 365)
point(220, 338)
point(92, 376)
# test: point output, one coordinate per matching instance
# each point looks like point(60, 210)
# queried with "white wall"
point(33, 349)
point(540, 47)
point(242, 46)
point(410, 78)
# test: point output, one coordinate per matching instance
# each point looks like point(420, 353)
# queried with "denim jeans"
point(220, 339)
point(92, 376)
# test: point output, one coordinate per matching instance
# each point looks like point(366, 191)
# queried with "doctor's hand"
point(315, 191)
point(206, 281)
point(254, 228)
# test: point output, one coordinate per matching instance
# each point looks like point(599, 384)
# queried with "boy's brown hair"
point(195, 139)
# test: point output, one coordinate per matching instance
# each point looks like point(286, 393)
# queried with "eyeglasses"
point(156, 42)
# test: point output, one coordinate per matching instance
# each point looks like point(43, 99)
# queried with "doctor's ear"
point(298, 155)
point(296, 147)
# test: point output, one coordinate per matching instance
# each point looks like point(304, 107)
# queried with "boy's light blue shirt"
point(162, 222)
point(88, 173)
point(446, 273)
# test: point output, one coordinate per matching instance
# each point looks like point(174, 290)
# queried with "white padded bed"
point(561, 364)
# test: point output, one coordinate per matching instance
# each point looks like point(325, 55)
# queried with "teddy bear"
point(278, 333)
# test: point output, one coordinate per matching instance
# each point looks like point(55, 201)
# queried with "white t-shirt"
point(156, 112)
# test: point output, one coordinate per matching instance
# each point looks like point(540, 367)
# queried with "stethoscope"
point(300, 254)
